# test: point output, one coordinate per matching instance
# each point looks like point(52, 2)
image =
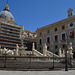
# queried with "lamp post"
point(66, 60)
point(30, 59)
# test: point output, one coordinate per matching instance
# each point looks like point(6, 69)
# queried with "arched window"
point(56, 37)
point(40, 41)
point(48, 40)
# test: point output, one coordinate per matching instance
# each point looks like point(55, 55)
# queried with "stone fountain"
point(22, 48)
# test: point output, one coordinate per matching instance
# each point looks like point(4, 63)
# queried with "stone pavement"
point(71, 72)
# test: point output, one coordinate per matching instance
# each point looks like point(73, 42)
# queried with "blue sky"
point(38, 13)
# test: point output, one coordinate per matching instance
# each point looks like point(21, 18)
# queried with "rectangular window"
point(48, 40)
point(63, 36)
point(48, 48)
point(56, 37)
point(63, 46)
point(48, 31)
point(40, 41)
point(63, 27)
point(56, 47)
point(40, 33)
point(55, 29)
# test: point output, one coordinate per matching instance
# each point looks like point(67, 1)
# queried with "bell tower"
point(70, 12)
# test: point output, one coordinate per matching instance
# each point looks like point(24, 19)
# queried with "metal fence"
point(21, 62)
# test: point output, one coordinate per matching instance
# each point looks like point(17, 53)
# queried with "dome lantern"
point(6, 13)
point(6, 7)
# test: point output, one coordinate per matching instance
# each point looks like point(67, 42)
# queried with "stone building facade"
point(55, 35)
point(29, 38)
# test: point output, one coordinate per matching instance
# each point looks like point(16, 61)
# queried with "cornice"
point(61, 22)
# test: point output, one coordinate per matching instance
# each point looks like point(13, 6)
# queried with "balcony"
point(8, 43)
point(8, 34)
point(5, 36)
point(10, 27)
point(47, 43)
point(8, 46)
point(63, 40)
point(9, 40)
point(56, 41)
point(9, 31)
point(14, 25)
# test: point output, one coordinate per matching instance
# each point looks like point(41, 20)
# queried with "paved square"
point(71, 72)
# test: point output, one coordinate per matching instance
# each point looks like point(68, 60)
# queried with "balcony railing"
point(8, 46)
point(18, 27)
point(13, 35)
point(9, 43)
point(6, 39)
point(56, 41)
point(63, 40)
point(11, 31)
point(10, 27)
point(15, 38)
point(48, 43)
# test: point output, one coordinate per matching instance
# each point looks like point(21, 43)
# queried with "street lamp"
point(30, 59)
point(66, 60)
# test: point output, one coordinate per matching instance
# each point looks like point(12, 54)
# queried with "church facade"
point(57, 34)
point(10, 32)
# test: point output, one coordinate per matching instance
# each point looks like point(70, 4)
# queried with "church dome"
point(6, 13)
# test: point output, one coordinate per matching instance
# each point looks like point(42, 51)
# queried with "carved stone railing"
point(37, 53)
point(51, 54)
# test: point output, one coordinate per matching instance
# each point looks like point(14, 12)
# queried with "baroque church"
point(10, 32)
